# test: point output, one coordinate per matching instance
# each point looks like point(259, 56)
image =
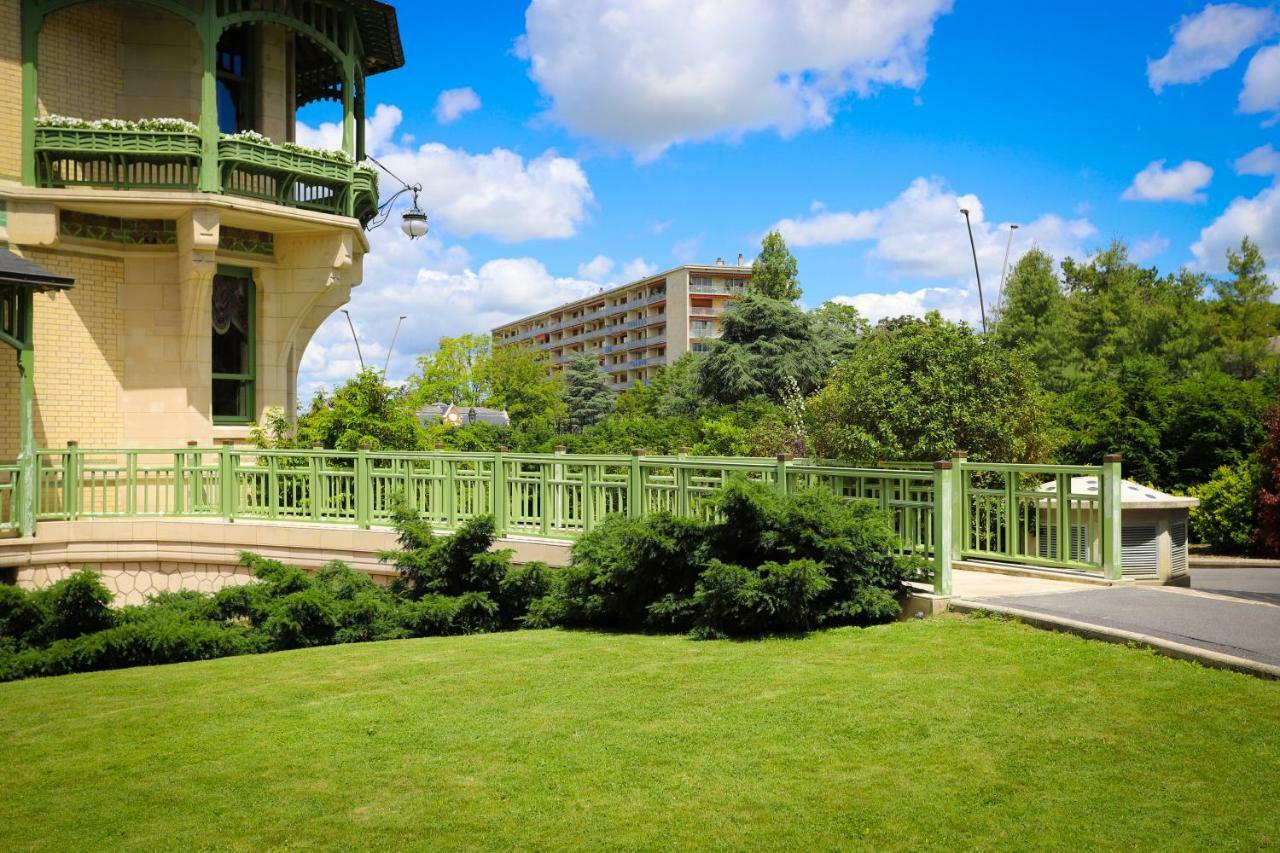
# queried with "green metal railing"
point(9, 490)
point(947, 511)
point(171, 160)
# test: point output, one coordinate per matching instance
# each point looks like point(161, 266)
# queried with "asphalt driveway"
point(1244, 624)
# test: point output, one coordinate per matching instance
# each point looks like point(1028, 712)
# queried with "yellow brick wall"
point(10, 89)
point(79, 68)
point(8, 403)
point(78, 367)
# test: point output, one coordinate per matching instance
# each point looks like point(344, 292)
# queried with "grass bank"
point(947, 732)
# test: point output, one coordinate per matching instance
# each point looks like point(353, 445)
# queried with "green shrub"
point(75, 606)
point(772, 598)
point(304, 618)
point(20, 615)
point(1228, 512)
point(429, 616)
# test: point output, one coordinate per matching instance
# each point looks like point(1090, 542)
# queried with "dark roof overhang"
point(23, 273)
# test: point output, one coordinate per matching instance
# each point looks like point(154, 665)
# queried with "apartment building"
point(636, 328)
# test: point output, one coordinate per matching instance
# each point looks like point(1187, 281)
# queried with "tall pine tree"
point(587, 396)
point(775, 273)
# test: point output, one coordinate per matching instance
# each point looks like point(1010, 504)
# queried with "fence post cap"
point(437, 447)
point(637, 451)
point(502, 448)
point(560, 448)
point(73, 443)
point(959, 454)
point(364, 445)
point(785, 457)
point(317, 445)
point(942, 465)
point(191, 442)
point(684, 448)
point(1112, 457)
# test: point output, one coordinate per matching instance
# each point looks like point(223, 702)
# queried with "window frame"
point(249, 378)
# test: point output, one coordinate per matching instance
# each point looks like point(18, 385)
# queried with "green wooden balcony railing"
point(170, 160)
point(941, 511)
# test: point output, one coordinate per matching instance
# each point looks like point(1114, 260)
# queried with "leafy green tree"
point(587, 397)
point(838, 328)
point(1245, 314)
point(1210, 420)
point(452, 374)
point(1227, 517)
point(364, 410)
point(766, 344)
point(520, 380)
point(1034, 316)
point(920, 390)
point(675, 390)
point(1267, 540)
point(775, 273)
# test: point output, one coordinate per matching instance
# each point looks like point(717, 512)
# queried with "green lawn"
point(942, 733)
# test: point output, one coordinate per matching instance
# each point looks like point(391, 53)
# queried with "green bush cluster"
point(768, 564)
point(449, 585)
point(1227, 516)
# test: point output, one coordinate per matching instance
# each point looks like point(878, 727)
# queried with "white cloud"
point(637, 268)
point(453, 104)
point(378, 130)
point(1263, 160)
point(1257, 217)
point(686, 251)
point(596, 269)
point(442, 293)
point(824, 227)
point(1261, 92)
point(921, 233)
point(498, 194)
point(1181, 183)
point(954, 303)
point(1209, 41)
point(647, 74)
point(1147, 248)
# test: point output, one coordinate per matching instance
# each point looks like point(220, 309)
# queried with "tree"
point(1033, 315)
point(1245, 314)
point(452, 374)
point(520, 380)
point(918, 391)
point(774, 273)
point(1267, 539)
point(838, 328)
point(363, 411)
point(587, 397)
point(766, 344)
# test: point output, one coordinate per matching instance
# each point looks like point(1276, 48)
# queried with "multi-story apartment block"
point(635, 328)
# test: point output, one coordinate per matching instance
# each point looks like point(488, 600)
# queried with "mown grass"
point(951, 732)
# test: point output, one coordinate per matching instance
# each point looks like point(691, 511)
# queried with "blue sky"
point(590, 141)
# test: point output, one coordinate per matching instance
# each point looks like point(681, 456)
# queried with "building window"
point(235, 81)
point(233, 345)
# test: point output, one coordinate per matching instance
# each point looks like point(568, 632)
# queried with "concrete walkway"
point(1230, 617)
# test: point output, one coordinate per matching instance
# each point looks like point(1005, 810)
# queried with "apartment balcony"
point(129, 159)
point(717, 288)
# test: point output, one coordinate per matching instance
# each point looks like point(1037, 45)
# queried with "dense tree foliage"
point(920, 390)
point(767, 346)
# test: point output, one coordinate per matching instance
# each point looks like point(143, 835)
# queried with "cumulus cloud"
point(1181, 183)
point(1257, 217)
point(1263, 160)
point(824, 227)
point(596, 269)
point(453, 104)
point(1209, 41)
point(647, 74)
point(1261, 92)
point(921, 233)
point(954, 303)
point(498, 194)
point(1147, 248)
point(443, 293)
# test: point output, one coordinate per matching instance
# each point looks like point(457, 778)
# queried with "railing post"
point(317, 462)
point(560, 487)
point(227, 482)
point(944, 482)
point(682, 482)
point(500, 490)
point(959, 505)
point(363, 490)
point(71, 481)
point(1111, 491)
point(780, 473)
point(635, 485)
point(192, 462)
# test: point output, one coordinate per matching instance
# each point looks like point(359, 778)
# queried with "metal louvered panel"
point(1141, 549)
point(1047, 543)
point(1178, 552)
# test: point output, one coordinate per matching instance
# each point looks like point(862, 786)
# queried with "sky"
point(567, 145)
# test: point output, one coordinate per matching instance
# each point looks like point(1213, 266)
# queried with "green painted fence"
point(943, 511)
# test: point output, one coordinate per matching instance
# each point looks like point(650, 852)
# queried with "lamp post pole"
point(359, 354)
point(1004, 270)
point(973, 246)
point(386, 364)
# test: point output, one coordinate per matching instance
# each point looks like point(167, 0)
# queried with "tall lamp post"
point(1004, 270)
point(387, 364)
point(359, 354)
point(973, 246)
